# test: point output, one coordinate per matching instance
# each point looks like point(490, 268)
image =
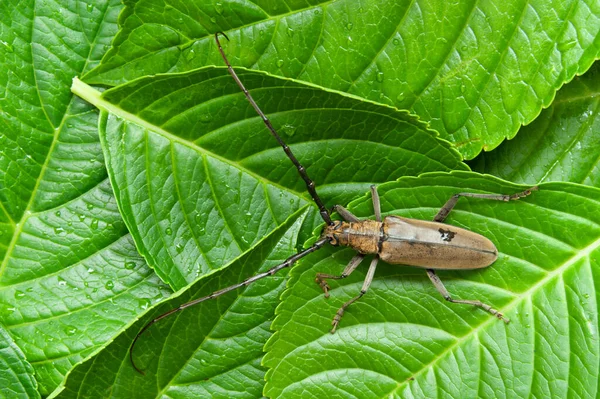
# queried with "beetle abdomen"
point(434, 245)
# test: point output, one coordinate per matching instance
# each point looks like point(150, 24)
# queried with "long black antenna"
point(287, 263)
point(310, 185)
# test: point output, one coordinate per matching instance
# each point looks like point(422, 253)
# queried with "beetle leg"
point(363, 291)
point(442, 290)
point(376, 203)
point(449, 205)
point(321, 277)
point(346, 214)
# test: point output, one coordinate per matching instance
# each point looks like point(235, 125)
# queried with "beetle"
point(431, 245)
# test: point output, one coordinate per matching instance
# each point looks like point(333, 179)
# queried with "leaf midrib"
point(581, 254)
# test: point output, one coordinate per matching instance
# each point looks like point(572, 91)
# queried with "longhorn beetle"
point(396, 240)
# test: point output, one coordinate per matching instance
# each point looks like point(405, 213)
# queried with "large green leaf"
point(199, 180)
point(403, 340)
point(562, 144)
point(476, 70)
point(70, 276)
point(17, 374)
point(211, 350)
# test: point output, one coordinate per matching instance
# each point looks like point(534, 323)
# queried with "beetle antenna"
point(310, 185)
point(287, 263)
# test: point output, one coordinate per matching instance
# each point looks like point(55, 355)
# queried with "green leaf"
point(17, 374)
point(199, 180)
point(70, 276)
point(562, 144)
point(213, 349)
point(403, 340)
point(475, 70)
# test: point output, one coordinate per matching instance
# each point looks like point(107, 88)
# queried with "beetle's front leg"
point(321, 277)
point(363, 291)
point(442, 290)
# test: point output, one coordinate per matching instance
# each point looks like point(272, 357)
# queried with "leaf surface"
point(475, 70)
point(17, 374)
point(403, 340)
point(199, 179)
point(70, 276)
point(562, 144)
point(213, 349)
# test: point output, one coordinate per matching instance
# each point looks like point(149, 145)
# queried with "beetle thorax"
point(364, 236)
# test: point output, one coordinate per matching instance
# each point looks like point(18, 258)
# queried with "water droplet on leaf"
point(168, 231)
point(57, 213)
point(289, 130)
point(349, 25)
point(129, 265)
point(280, 63)
point(109, 285)
point(380, 77)
point(94, 224)
point(179, 248)
point(19, 294)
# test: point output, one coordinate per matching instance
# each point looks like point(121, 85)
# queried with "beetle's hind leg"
point(449, 205)
point(442, 290)
point(321, 278)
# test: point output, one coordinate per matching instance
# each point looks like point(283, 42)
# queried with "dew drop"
point(129, 265)
point(205, 118)
point(71, 331)
point(90, 206)
point(94, 224)
point(248, 213)
point(81, 217)
point(586, 295)
point(396, 42)
point(290, 32)
point(90, 270)
point(400, 97)
point(19, 294)
point(380, 77)
point(168, 231)
point(219, 8)
point(30, 289)
point(280, 63)
point(198, 217)
point(463, 88)
point(144, 303)
point(179, 248)
point(9, 47)
point(57, 213)
point(464, 49)
point(349, 25)
point(109, 285)
point(289, 130)
point(59, 230)
point(190, 55)
point(62, 282)
point(90, 7)
point(69, 223)
point(86, 284)
point(213, 20)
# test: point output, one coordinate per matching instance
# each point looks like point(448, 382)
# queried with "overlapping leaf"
point(562, 144)
point(403, 340)
point(476, 70)
point(200, 180)
point(17, 374)
point(212, 350)
point(70, 277)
